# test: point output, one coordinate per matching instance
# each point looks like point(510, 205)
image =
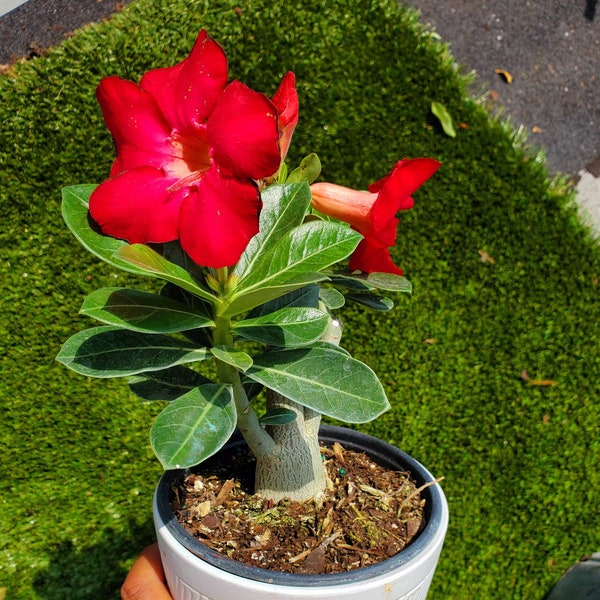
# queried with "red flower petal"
point(344, 204)
point(386, 236)
point(139, 130)
point(372, 258)
point(188, 92)
point(373, 213)
point(396, 188)
point(218, 219)
point(137, 206)
point(287, 105)
point(243, 133)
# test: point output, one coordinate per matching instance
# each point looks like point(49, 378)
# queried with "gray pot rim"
point(381, 452)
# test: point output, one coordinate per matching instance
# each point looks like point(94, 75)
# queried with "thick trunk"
point(294, 469)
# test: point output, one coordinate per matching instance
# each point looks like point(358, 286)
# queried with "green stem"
point(259, 441)
point(288, 457)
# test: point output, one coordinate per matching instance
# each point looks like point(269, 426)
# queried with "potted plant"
point(253, 258)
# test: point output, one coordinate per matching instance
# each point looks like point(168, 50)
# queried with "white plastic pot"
point(195, 572)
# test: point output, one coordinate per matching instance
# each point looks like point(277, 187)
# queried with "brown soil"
point(368, 514)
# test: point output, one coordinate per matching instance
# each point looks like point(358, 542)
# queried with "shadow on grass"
point(95, 572)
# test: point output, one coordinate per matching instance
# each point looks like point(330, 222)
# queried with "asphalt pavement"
point(550, 49)
point(538, 62)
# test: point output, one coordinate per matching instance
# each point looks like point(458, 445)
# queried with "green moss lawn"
point(504, 278)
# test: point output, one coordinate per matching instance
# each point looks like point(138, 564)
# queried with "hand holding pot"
point(146, 580)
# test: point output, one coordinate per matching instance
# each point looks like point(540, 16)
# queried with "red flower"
point(189, 147)
point(373, 213)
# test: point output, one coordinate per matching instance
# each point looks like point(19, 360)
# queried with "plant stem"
point(258, 440)
point(295, 469)
point(288, 457)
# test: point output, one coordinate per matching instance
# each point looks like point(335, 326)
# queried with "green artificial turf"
point(519, 460)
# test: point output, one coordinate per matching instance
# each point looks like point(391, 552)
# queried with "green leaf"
point(443, 116)
point(278, 416)
point(295, 261)
point(309, 170)
point(202, 336)
point(308, 248)
point(153, 264)
point(295, 326)
point(380, 303)
point(251, 388)
point(236, 358)
point(284, 207)
point(167, 384)
point(333, 347)
point(141, 311)
point(282, 173)
point(194, 426)
point(307, 296)
point(332, 298)
point(115, 352)
point(325, 380)
point(259, 296)
point(351, 282)
point(389, 282)
point(75, 212)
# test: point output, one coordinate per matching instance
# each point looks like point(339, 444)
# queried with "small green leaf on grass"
point(443, 116)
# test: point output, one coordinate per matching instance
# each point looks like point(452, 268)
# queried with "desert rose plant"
point(253, 258)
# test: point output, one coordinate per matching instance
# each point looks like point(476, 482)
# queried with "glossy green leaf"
point(295, 261)
point(166, 384)
point(325, 380)
point(75, 202)
point(236, 358)
point(258, 296)
point(114, 352)
point(295, 326)
point(443, 116)
point(284, 207)
point(332, 298)
point(141, 311)
point(202, 336)
point(310, 247)
point(389, 282)
point(372, 301)
point(356, 282)
point(151, 263)
point(278, 416)
point(333, 347)
point(307, 296)
point(282, 173)
point(309, 170)
point(194, 426)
